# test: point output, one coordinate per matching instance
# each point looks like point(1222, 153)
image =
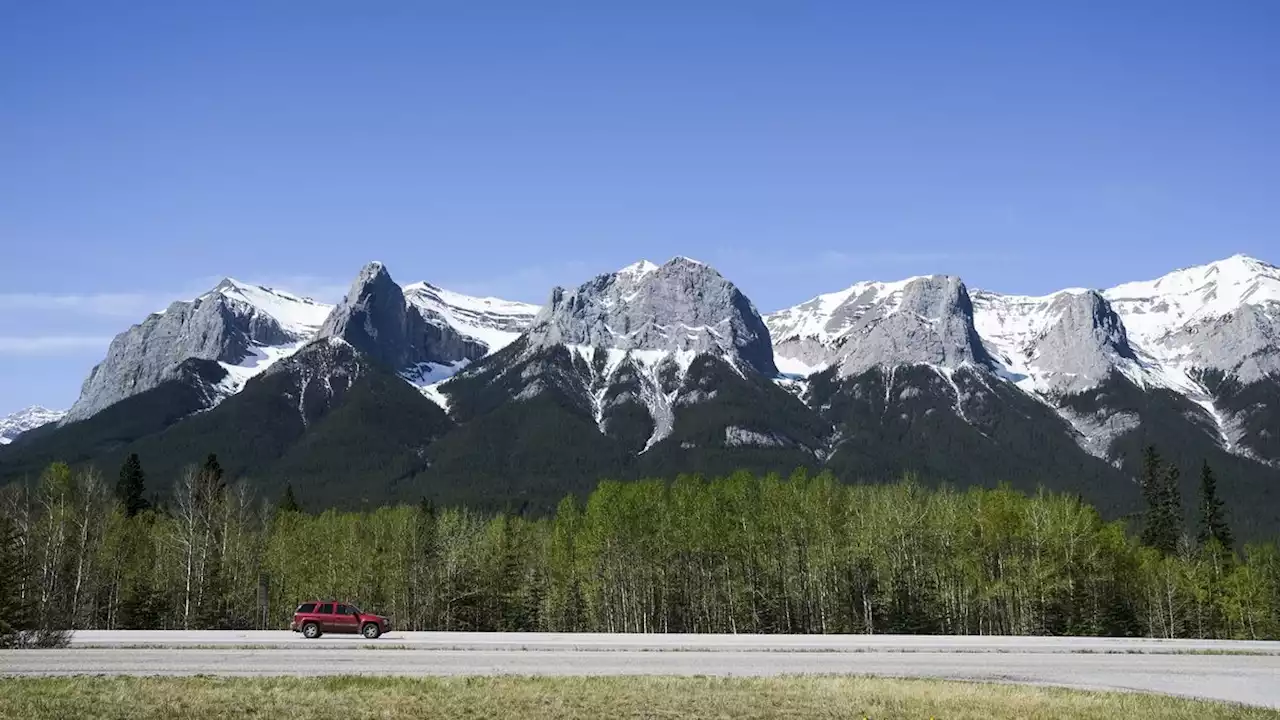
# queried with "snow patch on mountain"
point(1224, 315)
point(298, 316)
point(428, 377)
point(661, 375)
point(492, 321)
point(829, 317)
point(260, 358)
point(30, 418)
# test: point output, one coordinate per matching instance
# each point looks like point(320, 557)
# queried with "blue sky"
point(147, 149)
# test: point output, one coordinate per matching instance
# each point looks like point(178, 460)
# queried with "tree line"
point(736, 554)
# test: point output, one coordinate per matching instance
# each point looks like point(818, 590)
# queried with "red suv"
point(315, 618)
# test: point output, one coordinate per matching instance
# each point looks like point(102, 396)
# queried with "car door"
point(344, 619)
point(324, 616)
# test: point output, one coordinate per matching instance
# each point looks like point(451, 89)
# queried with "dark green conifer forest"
point(735, 554)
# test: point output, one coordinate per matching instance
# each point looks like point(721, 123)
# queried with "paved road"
point(667, 641)
point(1071, 662)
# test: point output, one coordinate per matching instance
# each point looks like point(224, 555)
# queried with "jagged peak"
point(638, 269)
point(681, 305)
point(372, 270)
point(812, 318)
point(685, 260)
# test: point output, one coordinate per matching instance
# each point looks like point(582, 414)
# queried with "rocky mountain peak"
point(242, 327)
point(1066, 342)
point(377, 320)
point(1224, 315)
point(920, 320)
point(680, 306)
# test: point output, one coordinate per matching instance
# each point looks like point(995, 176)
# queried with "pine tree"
point(1170, 512)
point(213, 472)
point(1213, 523)
point(1151, 482)
point(131, 485)
point(288, 503)
point(1162, 522)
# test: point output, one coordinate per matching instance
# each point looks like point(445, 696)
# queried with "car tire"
point(370, 631)
point(311, 631)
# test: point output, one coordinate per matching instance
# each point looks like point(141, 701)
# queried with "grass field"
point(125, 698)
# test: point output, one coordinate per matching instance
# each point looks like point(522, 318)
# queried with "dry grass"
point(126, 698)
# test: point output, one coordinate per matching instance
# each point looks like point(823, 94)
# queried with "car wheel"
point(311, 630)
point(371, 631)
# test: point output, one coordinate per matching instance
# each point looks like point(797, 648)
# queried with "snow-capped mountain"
point(243, 328)
point(634, 346)
point(240, 330)
point(1224, 316)
point(921, 320)
point(654, 370)
point(1167, 333)
point(13, 425)
point(1065, 342)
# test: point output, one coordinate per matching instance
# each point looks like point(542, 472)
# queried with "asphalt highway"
point(1233, 671)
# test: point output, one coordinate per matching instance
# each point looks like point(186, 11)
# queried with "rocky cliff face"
point(923, 320)
point(682, 306)
point(630, 349)
point(1067, 342)
point(242, 327)
point(375, 319)
point(492, 321)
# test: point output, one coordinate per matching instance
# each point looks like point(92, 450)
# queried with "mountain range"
point(404, 391)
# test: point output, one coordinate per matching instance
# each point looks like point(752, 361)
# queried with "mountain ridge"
point(661, 369)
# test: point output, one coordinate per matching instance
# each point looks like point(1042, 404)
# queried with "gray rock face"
point(1083, 344)
point(1245, 343)
point(1067, 342)
point(213, 327)
point(375, 319)
point(933, 323)
point(683, 305)
point(927, 320)
point(492, 321)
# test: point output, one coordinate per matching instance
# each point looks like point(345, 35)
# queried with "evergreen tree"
point(1162, 521)
point(21, 622)
point(1151, 482)
point(1213, 523)
point(288, 503)
point(213, 472)
point(131, 485)
point(1170, 514)
point(14, 611)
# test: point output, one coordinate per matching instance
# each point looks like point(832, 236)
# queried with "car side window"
point(306, 607)
point(326, 609)
point(344, 610)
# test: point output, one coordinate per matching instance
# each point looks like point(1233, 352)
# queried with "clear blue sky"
point(149, 148)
